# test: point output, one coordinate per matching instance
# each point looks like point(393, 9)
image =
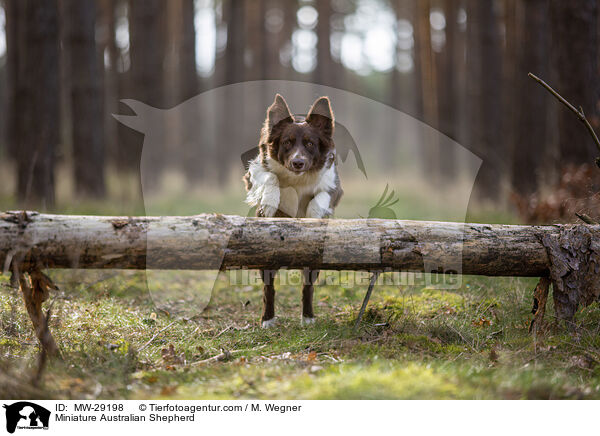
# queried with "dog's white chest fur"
point(297, 195)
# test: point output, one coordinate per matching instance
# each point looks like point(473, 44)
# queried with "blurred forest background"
point(458, 65)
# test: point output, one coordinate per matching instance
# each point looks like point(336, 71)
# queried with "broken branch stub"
point(540, 297)
point(35, 288)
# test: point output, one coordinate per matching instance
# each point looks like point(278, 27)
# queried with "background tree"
point(234, 53)
point(466, 78)
point(325, 64)
point(108, 59)
point(530, 104)
point(428, 80)
point(575, 43)
point(234, 13)
point(14, 13)
point(447, 65)
point(86, 97)
point(147, 35)
point(35, 102)
point(188, 76)
point(484, 88)
point(255, 52)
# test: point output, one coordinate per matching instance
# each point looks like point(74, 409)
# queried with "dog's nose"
point(298, 164)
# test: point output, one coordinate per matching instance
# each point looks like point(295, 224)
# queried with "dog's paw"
point(270, 199)
point(269, 211)
point(269, 323)
point(318, 207)
point(305, 320)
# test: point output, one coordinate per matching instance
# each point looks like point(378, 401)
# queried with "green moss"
point(378, 381)
point(414, 342)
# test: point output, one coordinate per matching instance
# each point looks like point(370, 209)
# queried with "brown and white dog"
point(294, 175)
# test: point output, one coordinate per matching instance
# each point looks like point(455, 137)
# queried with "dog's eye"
point(286, 143)
point(309, 145)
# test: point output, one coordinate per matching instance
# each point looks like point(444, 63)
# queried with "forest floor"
point(414, 343)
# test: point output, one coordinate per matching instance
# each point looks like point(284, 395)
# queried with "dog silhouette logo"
point(26, 415)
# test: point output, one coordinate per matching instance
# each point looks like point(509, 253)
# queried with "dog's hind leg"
point(310, 277)
point(268, 316)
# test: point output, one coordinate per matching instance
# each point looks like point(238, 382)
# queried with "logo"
point(26, 415)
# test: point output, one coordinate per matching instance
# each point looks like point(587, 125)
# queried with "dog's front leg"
point(268, 316)
point(318, 207)
point(271, 195)
point(310, 277)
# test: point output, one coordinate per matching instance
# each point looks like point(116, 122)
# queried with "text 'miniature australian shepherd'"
point(294, 175)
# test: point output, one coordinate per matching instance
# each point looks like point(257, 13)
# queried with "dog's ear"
point(320, 116)
point(277, 112)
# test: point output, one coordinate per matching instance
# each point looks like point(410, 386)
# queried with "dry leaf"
point(481, 322)
point(170, 357)
point(168, 390)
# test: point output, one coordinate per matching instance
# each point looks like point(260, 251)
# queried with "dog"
point(294, 175)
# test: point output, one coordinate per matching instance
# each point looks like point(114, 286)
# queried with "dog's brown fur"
point(296, 158)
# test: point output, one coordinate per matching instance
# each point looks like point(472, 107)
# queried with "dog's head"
point(298, 143)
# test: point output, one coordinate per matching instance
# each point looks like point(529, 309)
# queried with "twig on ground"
point(258, 347)
point(155, 336)
point(579, 113)
point(224, 355)
point(366, 300)
point(223, 331)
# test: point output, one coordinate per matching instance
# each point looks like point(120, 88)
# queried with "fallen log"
point(566, 255)
point(213, 241)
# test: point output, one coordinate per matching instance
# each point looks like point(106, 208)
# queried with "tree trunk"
point(322, 74)
point(575, 43)
point(234, 53)
point(531, 101)
point(86, 97)
point(513, 39)
point(129, 146)
point(36, 129)
point(216, 241)
point(14, 25)
point(193, 161)
point(484, 60)
point(255, 39)
point(235, 72)
point(290, 23)
point(188, 75)
point(429, 97)
point(281, 14)
point(447, 87)
point(147, 29)
point(4, 95)
point(109, 48)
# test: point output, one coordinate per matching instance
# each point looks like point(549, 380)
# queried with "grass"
point(122, 335)
point(414, 342)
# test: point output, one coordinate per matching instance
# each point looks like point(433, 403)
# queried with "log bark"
point(214, 241)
